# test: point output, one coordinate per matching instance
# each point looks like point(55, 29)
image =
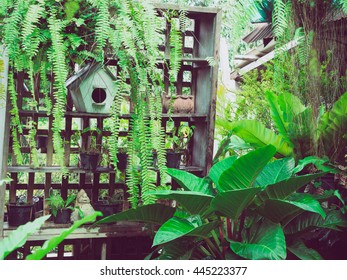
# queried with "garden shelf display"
point(197, 77)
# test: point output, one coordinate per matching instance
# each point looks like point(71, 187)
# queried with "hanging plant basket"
point(19, 214)
point(180, 104)
point(89, 161)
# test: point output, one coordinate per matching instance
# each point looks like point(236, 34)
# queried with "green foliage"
point(19, 236)
point(254, 216)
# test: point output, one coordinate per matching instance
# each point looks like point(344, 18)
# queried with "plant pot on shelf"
point(19, 214)
point(180, 104)
point(63, 216)
point(41, 141)
point(107, 209)
point(122, 161)
point(173, 159)
point(89, 161)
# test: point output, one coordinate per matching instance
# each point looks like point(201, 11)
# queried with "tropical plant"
point(180, 140)
point(299, 133)
point(244, 207)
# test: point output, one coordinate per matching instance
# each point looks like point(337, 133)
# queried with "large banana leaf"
point(193, 202)
point(232, 203)
point(179, 249)
point(299, 249)
point(176, 228)
point(50, 244)
point(18, 237)
point(255, 133)
point(283, 189)
point(308, 221)
point(218, 168)
point(153, 213)
point(190, 182)
point(276, 171)
point(277, 115)
point(268, 244)
point(278, 209)
point(245, 170)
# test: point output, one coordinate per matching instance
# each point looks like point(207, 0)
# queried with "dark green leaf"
point(232, 203)
point(153, 213)
point(276, 171)
point(268, 244)
point(176, 228)
point(299, 249)
point(190, 182)
point(245, 170)
point(218, 168)
point(193, 202)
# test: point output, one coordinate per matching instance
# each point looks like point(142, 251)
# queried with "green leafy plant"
point(244, 208)
point(57, 203)
point(180, 140)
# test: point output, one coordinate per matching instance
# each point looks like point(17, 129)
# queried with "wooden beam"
point(5, 135)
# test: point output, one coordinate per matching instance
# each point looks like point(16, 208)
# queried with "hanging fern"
point(57, 58)
point(280, 20)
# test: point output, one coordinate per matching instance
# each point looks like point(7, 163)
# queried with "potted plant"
point(90, 154)
point(60, 208)
point(179, 104)
point(110, 205)
point(178, 144)
point(20, 212)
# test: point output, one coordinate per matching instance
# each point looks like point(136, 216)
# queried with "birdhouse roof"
point(78, 78)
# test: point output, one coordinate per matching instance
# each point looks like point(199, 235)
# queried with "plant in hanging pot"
point(20, 212)
point(178, 145)
point(90, 153)
point(110, 205)
point(60, 208)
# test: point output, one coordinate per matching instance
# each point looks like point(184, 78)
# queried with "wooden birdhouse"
point(92, 89)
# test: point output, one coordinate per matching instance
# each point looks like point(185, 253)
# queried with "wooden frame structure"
point(201, 43)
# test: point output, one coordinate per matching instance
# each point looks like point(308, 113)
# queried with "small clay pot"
point(181, 104)
point(89, 161)
point(173, 159)
point(19, 214)
point(63, 216)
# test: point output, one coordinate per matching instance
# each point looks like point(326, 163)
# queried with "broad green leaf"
point(307, 221)
point(180, 249)
point(299, 249)
point(332, 127)
point(232, 203)
point(190, 182)
point(255, 133)
point(176, 228)
point(268, 244)
point(245, 170)
point(218, 168)
point(277, 210)
point(276, 171)
point(320, 163)
point(193, 202)
point(18, 237)
point(283, 189)
point(50, 244)
point(277, 114)
point(153, 213)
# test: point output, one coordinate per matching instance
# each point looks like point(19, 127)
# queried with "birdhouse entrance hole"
point(99, 95)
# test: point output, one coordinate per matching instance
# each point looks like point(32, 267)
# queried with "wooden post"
point(5, 127)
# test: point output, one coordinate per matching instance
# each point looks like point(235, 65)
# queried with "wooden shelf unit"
point(201, 42)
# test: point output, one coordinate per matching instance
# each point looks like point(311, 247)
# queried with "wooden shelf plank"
point(75, 169)
point(118, 229)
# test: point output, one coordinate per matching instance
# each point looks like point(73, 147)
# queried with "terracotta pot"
point(63, 216)
point(181, 104)
point(173, 159)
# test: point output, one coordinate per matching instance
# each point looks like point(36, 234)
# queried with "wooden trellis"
point(197, 77)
